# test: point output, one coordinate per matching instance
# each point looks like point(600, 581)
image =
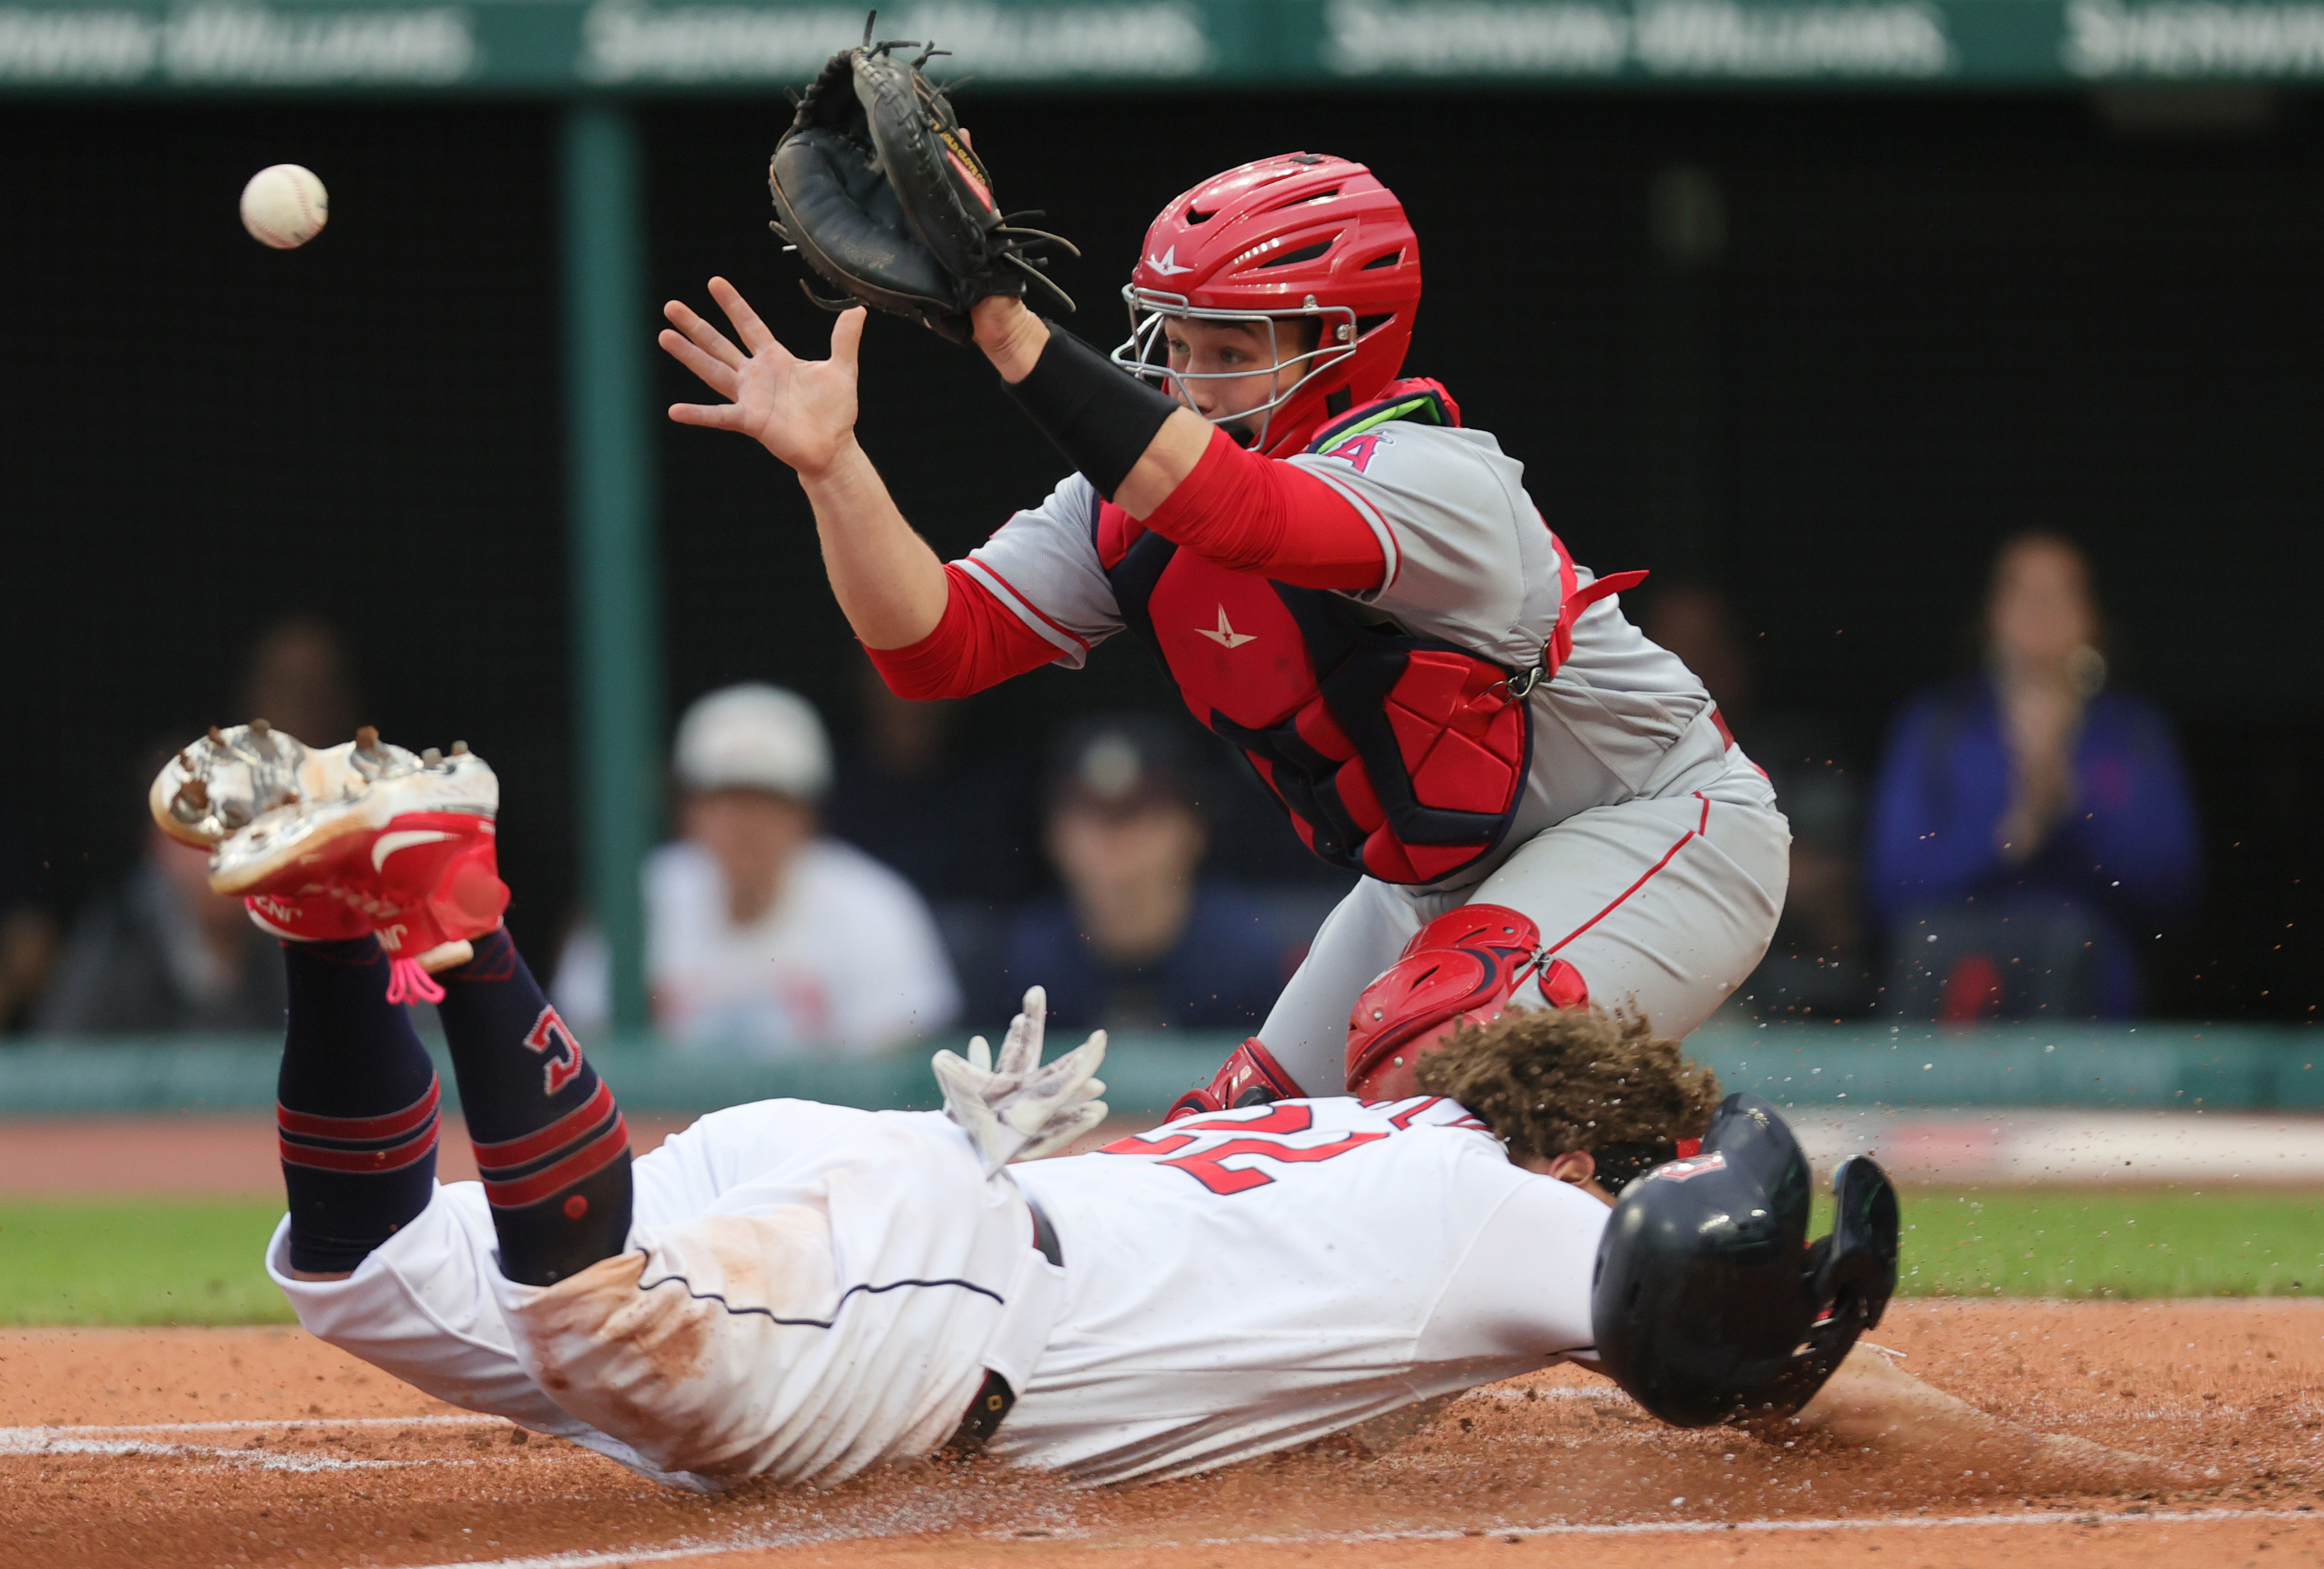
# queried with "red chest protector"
point(1400, 757)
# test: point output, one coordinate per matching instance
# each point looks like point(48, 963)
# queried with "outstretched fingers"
point(718, 374)
point(747, 325)
point(708, 339)
point(712, 416)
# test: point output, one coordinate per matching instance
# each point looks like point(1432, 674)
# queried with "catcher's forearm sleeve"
point(979, 643)
point(1102, 419)
point(1262, 515)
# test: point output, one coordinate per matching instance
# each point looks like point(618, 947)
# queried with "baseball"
point(284, 206)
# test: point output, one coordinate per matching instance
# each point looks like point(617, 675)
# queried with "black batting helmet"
point(1709, 1304)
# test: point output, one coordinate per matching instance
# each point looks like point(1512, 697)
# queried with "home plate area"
point(263, 1446)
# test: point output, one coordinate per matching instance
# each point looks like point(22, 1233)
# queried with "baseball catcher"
point(1348, 583)
point(800, 1292)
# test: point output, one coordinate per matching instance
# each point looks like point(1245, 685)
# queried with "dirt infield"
point(189, 1447)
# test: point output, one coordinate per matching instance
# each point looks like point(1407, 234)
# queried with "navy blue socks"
point(357, 1114)
point(551, 1142)
point(356, 1107)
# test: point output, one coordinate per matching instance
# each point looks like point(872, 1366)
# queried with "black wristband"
point(1101, 418)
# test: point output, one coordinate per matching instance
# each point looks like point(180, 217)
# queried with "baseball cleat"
point(362, 836)
point(231, 778)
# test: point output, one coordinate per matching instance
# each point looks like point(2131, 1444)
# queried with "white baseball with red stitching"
point(284, 206)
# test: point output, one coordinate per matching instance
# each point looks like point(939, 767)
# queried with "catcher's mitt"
point(876, 185)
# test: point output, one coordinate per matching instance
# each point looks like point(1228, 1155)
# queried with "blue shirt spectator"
point(1221, 972)
point(2026, 825)
point(1138, 938)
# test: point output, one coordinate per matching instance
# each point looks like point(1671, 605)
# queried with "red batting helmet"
point(1300, 235)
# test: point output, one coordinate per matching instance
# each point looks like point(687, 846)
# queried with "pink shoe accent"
point(408, 983)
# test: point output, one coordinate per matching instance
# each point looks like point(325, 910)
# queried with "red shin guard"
point(1462, 968)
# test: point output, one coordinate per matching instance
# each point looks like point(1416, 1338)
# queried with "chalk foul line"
point(269, 1423)
point(1684, 1528)
point(265, 1460)
point(106, 1438)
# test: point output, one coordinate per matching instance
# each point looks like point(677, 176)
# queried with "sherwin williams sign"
point(556, 46)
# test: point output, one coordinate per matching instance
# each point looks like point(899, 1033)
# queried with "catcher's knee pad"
point(1462, 968)
point(1250, 1075)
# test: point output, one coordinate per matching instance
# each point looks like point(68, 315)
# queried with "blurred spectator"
point(1818, 964)
point(161, 954)
point(298, 678)
point(2026, 816)
point(28, 936)
point(1138, 941)
point(960, 827)
point(1694, 621)
point(760, 934)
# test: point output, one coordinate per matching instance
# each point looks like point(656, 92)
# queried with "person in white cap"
point(761, 933)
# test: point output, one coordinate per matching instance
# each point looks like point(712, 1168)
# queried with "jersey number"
point(1209, 1169)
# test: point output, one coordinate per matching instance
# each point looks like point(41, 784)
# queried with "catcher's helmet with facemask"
point(1299, 235)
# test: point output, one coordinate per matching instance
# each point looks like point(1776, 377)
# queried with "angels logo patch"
point(1358, 450)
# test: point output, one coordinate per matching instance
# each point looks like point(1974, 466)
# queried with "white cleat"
point(231, 778)
point(273, 812)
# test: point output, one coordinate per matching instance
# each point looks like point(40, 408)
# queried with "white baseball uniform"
point(1646, 847)
point(810, 1289)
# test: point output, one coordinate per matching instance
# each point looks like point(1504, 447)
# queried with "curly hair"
point(1548, 1080)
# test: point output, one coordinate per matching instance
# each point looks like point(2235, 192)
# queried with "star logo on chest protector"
point(1226, 637)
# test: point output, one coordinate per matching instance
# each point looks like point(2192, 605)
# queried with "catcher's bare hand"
point(801, 410)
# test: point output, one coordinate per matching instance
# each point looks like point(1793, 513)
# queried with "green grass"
point(197, 1261)
point(2037, 1242)
point(138, 1262)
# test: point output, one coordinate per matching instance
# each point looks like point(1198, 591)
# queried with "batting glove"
point(1015, 1108)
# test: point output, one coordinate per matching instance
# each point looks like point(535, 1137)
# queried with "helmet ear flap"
point(1852, 1273)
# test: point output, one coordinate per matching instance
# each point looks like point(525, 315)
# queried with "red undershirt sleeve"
point(978, 643)
point(1259, 514)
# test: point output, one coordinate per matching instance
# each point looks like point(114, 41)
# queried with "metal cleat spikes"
point(192, 802)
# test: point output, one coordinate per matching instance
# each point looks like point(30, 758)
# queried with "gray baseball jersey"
point(1469, 559)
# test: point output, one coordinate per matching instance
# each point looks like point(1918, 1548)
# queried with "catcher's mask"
point(1709, 1305)
point(1299, 235)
